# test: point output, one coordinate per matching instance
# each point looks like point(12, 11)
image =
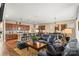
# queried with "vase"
point(34, 42)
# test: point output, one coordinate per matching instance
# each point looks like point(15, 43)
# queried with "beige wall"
point(49, 28)
point(70, 24)
point(77, 31)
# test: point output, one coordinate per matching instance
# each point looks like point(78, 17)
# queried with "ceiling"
point(36, 13)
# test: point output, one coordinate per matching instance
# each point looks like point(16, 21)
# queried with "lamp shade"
point(37, 31)
point(68, 31)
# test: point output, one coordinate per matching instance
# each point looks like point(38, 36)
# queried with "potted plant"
point(34, 38)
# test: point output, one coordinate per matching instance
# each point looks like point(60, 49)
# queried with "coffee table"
point(37, 46)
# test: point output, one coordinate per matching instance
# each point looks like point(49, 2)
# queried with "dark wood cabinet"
point(24, 27)
point(10, 26)
point(11, 35)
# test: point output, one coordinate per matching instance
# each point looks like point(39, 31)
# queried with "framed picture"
point(63, 26)
point(42, 27)
point(56, 27)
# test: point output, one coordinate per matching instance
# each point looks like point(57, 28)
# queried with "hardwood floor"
point(9, 46)
point(12, 50)
point(9, 49)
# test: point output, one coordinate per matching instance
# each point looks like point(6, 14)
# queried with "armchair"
point(71, 48)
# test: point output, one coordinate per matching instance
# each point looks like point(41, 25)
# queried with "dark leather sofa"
point(52, 51)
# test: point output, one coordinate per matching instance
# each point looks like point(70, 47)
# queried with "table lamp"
point(68, 32)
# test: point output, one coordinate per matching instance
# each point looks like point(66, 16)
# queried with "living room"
point(36, 30)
